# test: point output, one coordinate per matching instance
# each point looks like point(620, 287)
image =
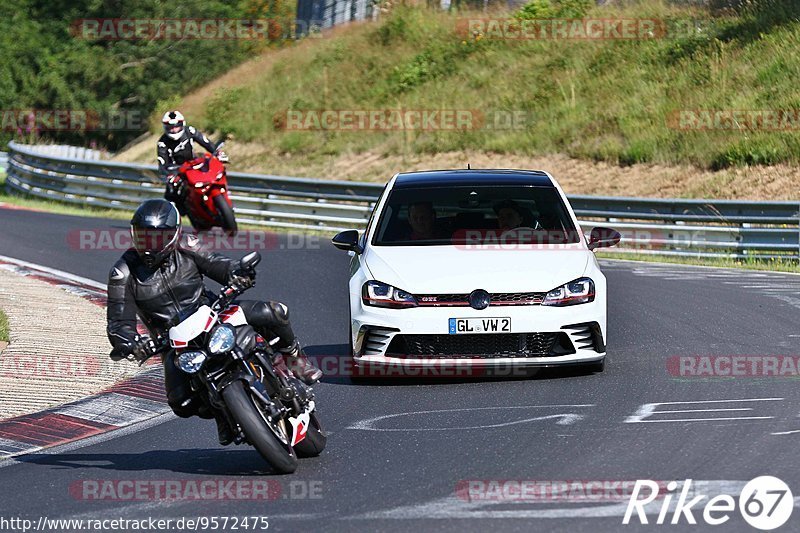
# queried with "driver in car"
point(160, 280)
point(422, 219)
point(510, 215)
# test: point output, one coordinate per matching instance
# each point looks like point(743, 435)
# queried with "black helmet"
point(155, 228)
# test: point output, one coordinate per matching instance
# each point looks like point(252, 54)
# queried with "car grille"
point(462, 300)
point(480, 346)
point(376, 339)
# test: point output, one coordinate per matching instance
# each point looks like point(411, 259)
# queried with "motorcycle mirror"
point(250, 260)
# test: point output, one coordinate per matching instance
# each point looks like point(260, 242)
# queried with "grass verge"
point(769, 265)
point(3, 327)
point(620, 101)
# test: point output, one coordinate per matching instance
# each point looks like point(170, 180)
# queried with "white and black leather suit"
point(163, 295)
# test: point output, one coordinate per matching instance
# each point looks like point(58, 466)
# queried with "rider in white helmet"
point(174, 148)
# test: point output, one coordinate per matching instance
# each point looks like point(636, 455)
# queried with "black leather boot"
point(300, 366)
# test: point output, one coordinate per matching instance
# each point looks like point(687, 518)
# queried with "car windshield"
point(474, 215)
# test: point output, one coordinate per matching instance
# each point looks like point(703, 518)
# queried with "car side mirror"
point(250, 261)
point(348, 241)
point(601, 237)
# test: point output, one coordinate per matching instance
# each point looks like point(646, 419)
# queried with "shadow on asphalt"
point(335, 362)
point(207, 461)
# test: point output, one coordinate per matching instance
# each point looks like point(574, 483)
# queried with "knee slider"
point(280, 311)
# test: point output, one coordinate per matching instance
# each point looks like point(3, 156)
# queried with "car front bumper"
point(374, 330)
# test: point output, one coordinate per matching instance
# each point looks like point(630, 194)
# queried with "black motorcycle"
point(245, 379)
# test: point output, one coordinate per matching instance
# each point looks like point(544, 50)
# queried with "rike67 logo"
point(765, 503)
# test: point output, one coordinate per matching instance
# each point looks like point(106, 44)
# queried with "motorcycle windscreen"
point(209, 172)
point(198, 323)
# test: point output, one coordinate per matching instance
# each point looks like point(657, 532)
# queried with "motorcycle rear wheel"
point(244, 409)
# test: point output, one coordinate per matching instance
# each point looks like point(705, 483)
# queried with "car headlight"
point(190, 362)
point(579, 291)
point(222, 339)
point(379, 294)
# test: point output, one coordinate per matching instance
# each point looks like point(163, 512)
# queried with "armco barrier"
point(726, 228)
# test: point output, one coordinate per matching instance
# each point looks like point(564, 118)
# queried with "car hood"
point(449, 269)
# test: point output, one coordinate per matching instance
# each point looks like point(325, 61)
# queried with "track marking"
point(651, 409)
point(562, 419)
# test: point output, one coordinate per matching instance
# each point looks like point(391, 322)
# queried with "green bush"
point(542, 9)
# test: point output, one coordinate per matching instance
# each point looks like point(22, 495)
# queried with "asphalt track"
point(406, 479)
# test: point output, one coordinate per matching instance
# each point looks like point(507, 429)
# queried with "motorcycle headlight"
point(222, 339)
point(579, 291)
point(379, 294)
point(190, 362)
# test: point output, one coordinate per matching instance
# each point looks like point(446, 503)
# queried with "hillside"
point(601, 114)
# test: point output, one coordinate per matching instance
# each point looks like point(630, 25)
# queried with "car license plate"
point(479, 325)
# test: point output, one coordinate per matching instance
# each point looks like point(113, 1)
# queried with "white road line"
point(55, 272)
point(786, 432)
point(114, 409)
point(90, 441)
point(724, 401)
point(9, 447)
point(706, 410)
point(648, 410)
point(705, 419)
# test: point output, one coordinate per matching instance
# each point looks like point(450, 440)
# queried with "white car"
point(476, 267)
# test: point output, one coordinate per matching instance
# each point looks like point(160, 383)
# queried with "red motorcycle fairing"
point(206, 178)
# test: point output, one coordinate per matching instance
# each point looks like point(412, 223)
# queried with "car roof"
point(443, 178)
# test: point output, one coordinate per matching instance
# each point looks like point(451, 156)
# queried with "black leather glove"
point(242, 278)
point(140, 349)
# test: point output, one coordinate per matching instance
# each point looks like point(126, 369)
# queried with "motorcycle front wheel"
point(315, 440)
point(226, 216)
point(273, 448)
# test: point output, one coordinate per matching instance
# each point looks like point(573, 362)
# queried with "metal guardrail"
point(660, 226)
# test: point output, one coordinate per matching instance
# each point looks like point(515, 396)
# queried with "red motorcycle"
point(205, 183)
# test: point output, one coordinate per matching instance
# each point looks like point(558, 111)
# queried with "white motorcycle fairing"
point(233, 315)
point(201, 321)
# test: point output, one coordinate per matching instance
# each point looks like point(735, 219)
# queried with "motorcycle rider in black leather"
point(175, 147)
point(160, 280)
